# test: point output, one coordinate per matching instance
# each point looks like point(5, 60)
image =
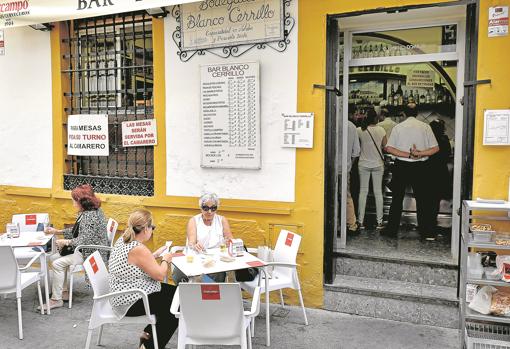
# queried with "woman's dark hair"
point(84, 195)
point(370, 119)
point(438, 128)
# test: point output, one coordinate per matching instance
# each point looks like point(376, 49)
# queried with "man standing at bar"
point(353, 151)
point(411, 142)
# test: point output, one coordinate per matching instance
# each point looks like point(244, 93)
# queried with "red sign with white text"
point(210, 292)
point(30, 219)
point(289, 239)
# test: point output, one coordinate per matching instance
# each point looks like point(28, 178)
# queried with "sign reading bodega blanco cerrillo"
point(220, 23)
point(139, 133)
point(87, 135)
point(15, 13)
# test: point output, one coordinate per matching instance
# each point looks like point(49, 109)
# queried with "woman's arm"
point(141, 257)
point(384, 141)
point(191, 232)
point(227, 234)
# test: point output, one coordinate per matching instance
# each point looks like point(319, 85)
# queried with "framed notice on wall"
point(230, 115)
point(496, 127)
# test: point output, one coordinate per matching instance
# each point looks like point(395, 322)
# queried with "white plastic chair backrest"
point(111, 229)
point(97, 273)
point(286, 250)
point(8, 268)
point(211, 310)
point(29, 222)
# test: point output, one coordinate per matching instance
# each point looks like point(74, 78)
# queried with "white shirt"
point(388, 125)
point(353, 148)
point(412, 132)
point(209, 236)
point(370, 155)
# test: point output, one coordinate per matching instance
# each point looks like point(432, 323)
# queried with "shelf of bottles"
point(378, 89)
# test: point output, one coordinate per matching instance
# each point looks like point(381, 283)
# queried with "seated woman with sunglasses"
point(206, 230)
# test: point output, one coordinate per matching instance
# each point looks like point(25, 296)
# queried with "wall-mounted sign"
point(139, 133)
point(207, 24)
point(498, 21)
point(230, 115)
point(87, 135)
point(420, 78)
point(2, 43)
point(496, 127)
point(297, 130)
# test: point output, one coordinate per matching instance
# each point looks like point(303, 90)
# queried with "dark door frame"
point(331, 220)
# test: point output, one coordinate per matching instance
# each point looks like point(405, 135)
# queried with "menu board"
point(230, 115)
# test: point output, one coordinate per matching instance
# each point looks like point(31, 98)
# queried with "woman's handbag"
point(67, 250)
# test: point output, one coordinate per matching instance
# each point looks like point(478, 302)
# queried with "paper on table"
point(168, 244)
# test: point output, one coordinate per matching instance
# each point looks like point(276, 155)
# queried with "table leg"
point(44, 268)
point(268, 328)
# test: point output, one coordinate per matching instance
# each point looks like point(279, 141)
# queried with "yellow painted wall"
point(258, 222)
point(491, 168)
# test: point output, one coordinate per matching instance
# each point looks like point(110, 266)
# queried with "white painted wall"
point(26, 152)
point(275, 181)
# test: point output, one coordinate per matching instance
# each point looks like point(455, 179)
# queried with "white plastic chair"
point(12, 279)
point(284, 273)
point(29, 223)
point(102, 311)
point(111, 229)
point(213, 313)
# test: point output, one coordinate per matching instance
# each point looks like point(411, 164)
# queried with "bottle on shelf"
point(428, 97)
point(422, 98)
point(416, 97)
point(391, 95)
point(411, 96)
point(400, 94)
point(381, 52)
point(370, 52)
point(386, 51)
point(405, 98)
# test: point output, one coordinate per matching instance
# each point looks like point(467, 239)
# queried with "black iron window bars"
point(108, 69)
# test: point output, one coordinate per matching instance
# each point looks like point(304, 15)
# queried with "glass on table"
point(189, 252)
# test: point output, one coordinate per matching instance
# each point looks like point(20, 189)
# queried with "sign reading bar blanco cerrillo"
point(87, 135)
point(496, 128)
point(139, 133)
point(230, 115)
point(210, 23)
point(15, 13)
point(297, 130)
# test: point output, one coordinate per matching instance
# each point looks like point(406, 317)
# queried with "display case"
point(478, 330)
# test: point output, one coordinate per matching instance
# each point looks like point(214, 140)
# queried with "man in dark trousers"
point(411, 142)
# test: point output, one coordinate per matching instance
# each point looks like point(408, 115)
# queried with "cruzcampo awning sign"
point(15, 13)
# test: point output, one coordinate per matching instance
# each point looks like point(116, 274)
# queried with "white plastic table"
point(248, 260)
point(33, 239)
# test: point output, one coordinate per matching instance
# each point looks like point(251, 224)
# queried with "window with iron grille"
point(108, 69)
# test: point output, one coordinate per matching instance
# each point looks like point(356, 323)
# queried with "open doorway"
point(392, 60)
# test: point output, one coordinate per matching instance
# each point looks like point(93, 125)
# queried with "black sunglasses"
point(209, 208)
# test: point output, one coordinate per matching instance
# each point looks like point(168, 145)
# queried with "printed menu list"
point(230, 112)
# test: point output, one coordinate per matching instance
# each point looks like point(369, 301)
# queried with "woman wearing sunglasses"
point(133, 266)
point(206, 230)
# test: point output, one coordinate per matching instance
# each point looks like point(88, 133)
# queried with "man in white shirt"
point(353, 151)
point(411, 142)
point(386, 122)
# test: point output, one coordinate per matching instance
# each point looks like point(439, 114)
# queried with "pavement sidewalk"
point(67, 328)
